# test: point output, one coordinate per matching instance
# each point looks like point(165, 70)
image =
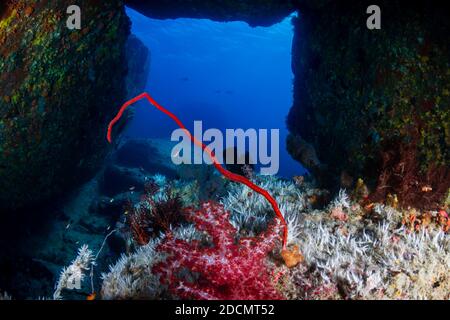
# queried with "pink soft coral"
point(230, 269)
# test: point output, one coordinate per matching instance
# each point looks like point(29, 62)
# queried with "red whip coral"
point(230, 269)
point(229, 175)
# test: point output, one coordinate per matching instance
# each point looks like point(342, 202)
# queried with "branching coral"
point(249, 215)
point(339, 205)
point(368, 255)
point(230, 268)
point(131, 276)
point(349, 252)
point(72, 276)
point(5, 296)
point(158, 211)
point(378, 260)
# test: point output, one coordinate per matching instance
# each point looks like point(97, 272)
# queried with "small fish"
point(132, 188)
point(427, 189)
point(68, 226)
point(111, 200)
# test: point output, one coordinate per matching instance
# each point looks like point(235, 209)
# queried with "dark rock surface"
point(255, 13)
point(58, 89)
point(118, 179)
point(138, 57)
point(374, 104)
point(134, 161)
point(151, 156)
point(47, 239)
point(135, 153)
point(114, 206)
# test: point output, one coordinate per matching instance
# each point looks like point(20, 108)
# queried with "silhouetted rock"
point(121, 179)
point(135, 153)
point(255, 13)
point(138, 57)
point(150, 155)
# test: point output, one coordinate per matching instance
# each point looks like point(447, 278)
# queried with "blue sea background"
point(226, 74)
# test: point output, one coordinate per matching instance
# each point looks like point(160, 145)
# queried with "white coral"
point(342, 200)
point(72, 276)
point(380, 261)
point(159, 179)
point(131, 276)
point(5, 296)
point(371, 260)
point(366, 259)
point(251, 212)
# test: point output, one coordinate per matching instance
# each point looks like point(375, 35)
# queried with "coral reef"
point(160, 209)
point(131, 277)
point(371, 116)
point(349, 251)
point(249, 215)
point(228, 269)
point(377, 260)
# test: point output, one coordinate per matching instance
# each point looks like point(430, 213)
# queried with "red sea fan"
point(229, 269)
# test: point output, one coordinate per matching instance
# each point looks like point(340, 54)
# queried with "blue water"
point(228, 75)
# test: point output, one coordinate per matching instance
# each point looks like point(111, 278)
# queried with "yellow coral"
point(5, 22)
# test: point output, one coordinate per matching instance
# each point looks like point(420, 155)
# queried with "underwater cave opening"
point(226, 74)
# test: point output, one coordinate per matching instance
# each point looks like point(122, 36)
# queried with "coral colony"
point(232, 249)
point(227, 270)
point(217, 165)
point(222, 251)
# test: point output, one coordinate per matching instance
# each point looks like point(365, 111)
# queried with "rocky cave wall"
point(374, 104)
point(58, 89)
